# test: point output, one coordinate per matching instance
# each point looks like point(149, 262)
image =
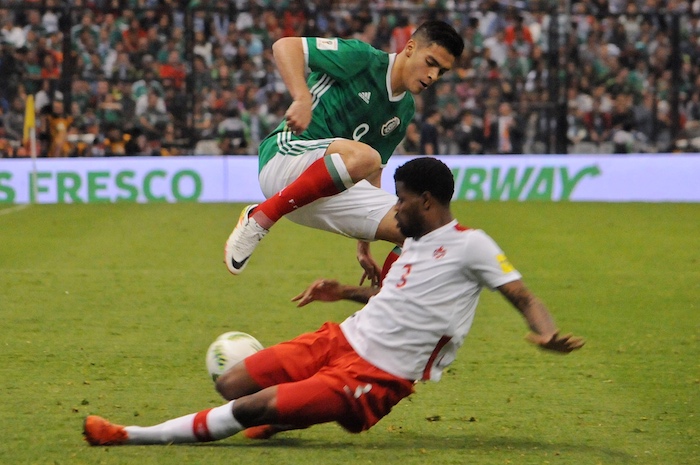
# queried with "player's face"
point(409, 211)
point(425, 65)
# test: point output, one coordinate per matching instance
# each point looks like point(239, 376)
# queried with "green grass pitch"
point(109, 309)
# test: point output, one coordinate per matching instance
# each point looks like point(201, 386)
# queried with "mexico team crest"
point(390, 125)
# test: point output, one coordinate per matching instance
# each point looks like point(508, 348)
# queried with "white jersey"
point(413, 327)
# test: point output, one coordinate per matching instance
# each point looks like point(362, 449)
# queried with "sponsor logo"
point(365, 96)
point(543, 183)
point(64, 186)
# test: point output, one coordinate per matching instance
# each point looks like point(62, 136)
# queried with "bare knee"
point(257, 409)
point(360, 159)
point(235, 383)
point(363, 162)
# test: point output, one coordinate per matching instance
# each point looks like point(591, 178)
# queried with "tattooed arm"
point(543, 331)
point(330, 290)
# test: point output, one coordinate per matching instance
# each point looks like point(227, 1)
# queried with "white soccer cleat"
point(242, 241)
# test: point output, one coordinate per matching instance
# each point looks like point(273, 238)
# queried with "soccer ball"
point(229, 349)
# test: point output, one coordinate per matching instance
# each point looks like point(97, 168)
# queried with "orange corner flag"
point(29, 118)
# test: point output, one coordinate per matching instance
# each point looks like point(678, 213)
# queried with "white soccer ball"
point(229, 349)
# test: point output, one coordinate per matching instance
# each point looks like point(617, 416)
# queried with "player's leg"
point(344, 163)
point(326, 172)
point(363, 212)
point(203, 426)
point(251, 383)
point(206, 425)
point(388, 230)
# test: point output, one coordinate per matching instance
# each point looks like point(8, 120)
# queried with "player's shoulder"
point(470, 237)
point(337, 44)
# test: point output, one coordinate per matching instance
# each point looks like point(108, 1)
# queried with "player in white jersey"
point(321, 167)
point(355, 372)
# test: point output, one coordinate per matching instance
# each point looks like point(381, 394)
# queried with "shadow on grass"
point(407, 441)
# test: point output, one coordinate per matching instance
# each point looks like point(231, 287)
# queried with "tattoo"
point(359, 294)
point(519, 296)
point(533, 310)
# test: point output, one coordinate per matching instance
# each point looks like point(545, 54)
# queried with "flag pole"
point(30, 135)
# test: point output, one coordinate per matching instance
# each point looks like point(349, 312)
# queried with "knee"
point(361, 160)
point(224, 388)
point(235, 383)
point(256, 409)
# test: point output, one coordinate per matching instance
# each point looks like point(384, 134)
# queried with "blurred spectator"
point(13, 120)
point(401, 34)
point(507, 130)
point(469, 134)
point(622, 122)
point(153, 119)
point(663, 139)
point(576, 131)
point(49, 67)
point(175, 70)
point(115, 142)
point(133, 35)
point(147, 84)
point(598, 124)
point(294, 19)
point(643, 113)
point(232, 134)
point(57, 124)
point(429, 133)
point(411, 142)
point(109, 110)
point(12, 34)
point(692, 110)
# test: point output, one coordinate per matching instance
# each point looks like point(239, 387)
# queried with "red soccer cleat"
point(260, 432)
point(99, 432)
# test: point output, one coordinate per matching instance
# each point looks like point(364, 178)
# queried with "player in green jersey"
point(321, 167)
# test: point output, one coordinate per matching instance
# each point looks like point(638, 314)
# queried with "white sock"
point(207, 425)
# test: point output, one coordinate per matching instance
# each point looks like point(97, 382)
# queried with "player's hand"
point(372, 272)
point(298, 115)
point(324, 290)
point(556, 343)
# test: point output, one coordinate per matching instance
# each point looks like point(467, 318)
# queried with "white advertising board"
point(603, 178)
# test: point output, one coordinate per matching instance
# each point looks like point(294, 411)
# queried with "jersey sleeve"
point(487, 263)
point(339, 58)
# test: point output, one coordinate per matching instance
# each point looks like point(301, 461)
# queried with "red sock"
point(390, 259)
point(325, 177)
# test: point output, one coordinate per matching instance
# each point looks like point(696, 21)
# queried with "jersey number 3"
point(406, 272)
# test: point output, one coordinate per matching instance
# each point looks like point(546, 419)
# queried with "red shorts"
point(320, 378)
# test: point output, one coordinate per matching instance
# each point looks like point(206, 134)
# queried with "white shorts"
point(355, 212)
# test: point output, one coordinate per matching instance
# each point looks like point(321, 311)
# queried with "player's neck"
point(435, 222)
point(397, 86)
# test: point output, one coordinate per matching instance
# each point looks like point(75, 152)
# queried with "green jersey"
point(350, 85)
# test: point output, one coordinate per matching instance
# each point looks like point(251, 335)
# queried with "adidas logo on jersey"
point(365, 96)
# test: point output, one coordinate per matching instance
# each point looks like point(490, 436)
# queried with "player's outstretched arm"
point(543, 330)
point(290, 61)
point(330, 290)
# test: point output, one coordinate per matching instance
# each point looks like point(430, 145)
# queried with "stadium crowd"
point(177, 77)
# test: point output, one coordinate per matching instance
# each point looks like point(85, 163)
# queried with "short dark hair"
point(427, 174)
point(442, 34)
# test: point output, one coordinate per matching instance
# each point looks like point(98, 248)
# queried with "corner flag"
point(30, 136)
point(29, 119)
